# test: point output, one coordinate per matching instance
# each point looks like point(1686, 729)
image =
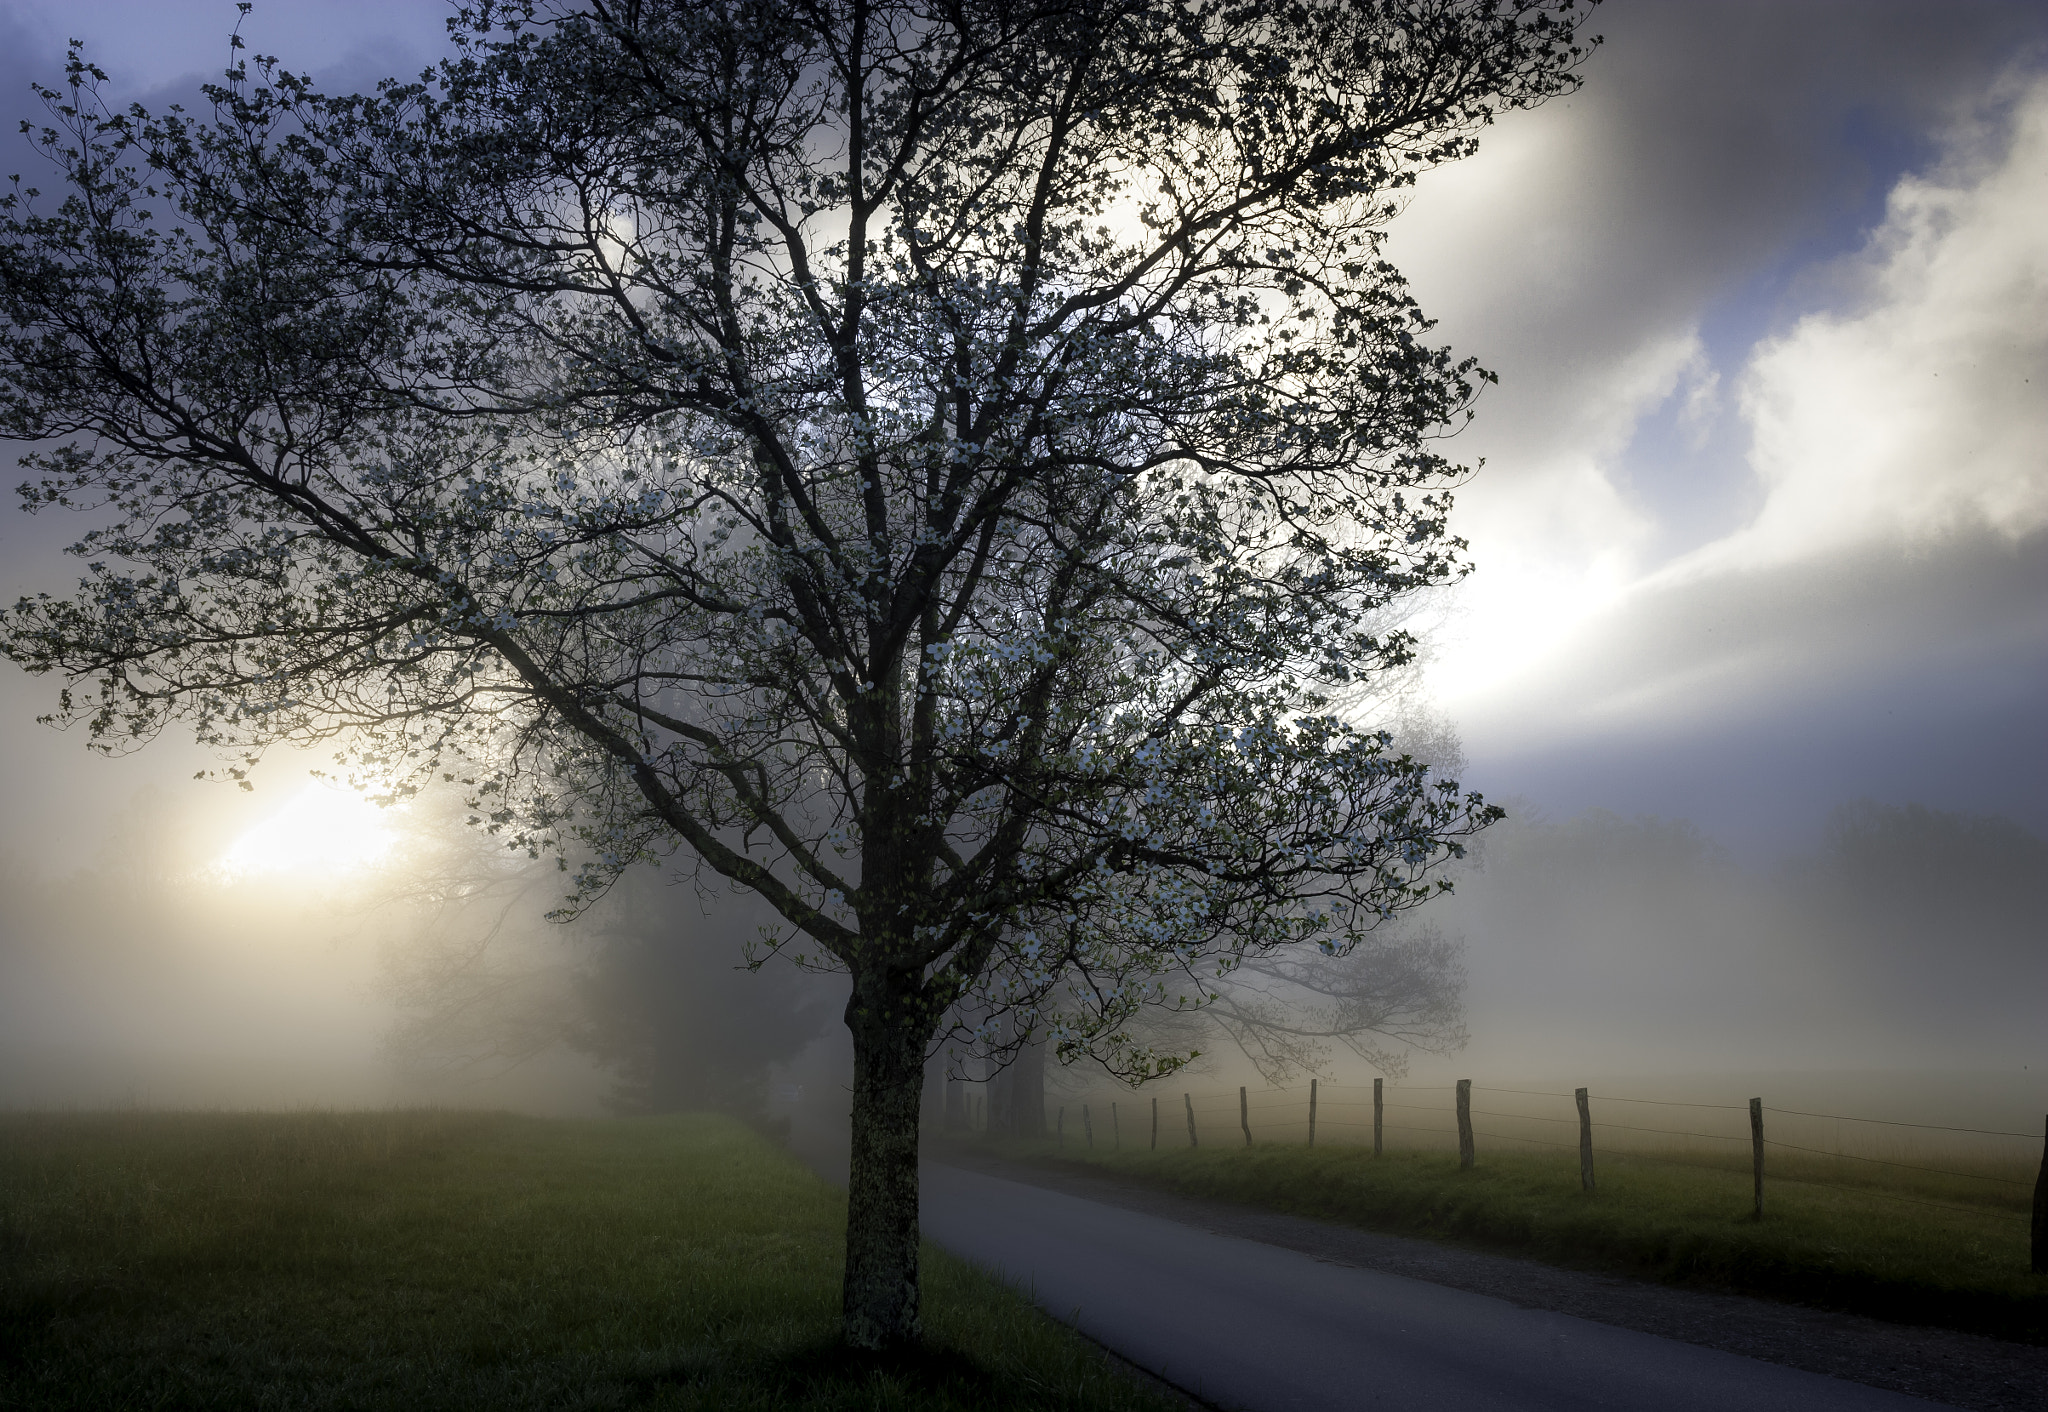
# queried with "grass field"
point(1933, 1250)
point(445, 1260)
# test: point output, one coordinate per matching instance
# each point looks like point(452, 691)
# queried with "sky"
point(1761, 523)
point(1761, 526)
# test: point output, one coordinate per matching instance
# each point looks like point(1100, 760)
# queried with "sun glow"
point(325, 829)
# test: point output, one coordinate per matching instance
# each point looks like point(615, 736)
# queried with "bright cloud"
point(1559, 544)
point(1924, 411)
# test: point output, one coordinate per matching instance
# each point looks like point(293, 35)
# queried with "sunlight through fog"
point(324, 829)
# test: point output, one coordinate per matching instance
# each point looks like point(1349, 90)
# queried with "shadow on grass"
point(826, 1375)
point(826, 1372)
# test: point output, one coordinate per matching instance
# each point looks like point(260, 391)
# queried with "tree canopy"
point(929, 463)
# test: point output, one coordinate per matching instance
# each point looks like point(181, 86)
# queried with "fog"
point(1641, 951)
point(146, 976)
point(1901, 937)
point(194, 963)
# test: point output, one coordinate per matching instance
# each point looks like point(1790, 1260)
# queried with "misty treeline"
point(688, 998)
point(150, 973)
point(1900, 936)
point(688, 1007)
point(661, 996)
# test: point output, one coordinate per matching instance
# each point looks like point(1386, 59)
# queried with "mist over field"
point(171, 972)
point(1902, 944)
point(1901, 937)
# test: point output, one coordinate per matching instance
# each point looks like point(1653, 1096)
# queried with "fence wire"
point(1894, 1123)
point(1284, 1108)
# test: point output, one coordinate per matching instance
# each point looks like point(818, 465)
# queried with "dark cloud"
point(1716, 152)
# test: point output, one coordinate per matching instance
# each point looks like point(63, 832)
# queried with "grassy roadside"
point(443, 1260)
point(1943, 1260)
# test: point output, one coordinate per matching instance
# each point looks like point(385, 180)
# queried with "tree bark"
point(879, 1307)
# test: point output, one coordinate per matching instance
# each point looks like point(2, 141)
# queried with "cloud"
point(1925, 411)
point(1903, 450)
point(1869, 623)
point(1831, 634)
point(1616, 257)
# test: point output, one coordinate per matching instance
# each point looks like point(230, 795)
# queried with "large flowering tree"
point(927, 463)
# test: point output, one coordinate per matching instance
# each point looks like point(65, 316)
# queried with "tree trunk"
point(879, 1308)
point(1027, 1091)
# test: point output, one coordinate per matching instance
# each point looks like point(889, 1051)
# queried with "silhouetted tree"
point(925, 462)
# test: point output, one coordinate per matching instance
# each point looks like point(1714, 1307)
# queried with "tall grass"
point(446, 1260)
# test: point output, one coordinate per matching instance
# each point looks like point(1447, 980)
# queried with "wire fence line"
point(1289, 1114)
point(1269, 1101)
point(1673, 1132)
point(1615, 1098)
point(1908, 1166)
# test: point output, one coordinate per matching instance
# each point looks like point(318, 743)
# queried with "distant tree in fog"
point(1900, 935)
point(1918, 901)
point(666, 1001)
point(1400, 991)
point(659, 995)
point(1923, 867)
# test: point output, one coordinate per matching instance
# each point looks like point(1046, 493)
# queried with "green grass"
point(443, 1260)
point(1926, 1250)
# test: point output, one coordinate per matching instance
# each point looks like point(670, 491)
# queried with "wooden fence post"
point(1088, 1127)
point(2040, 1251)
point(1155, 1122)
point(1585, 1141)
point(1756, 1148)
point(1244, 1115)
point(1466, 1156)
point(1189, 1099)
point(1116, 1133)
point(1378, 1105)
point(1311, 1112)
